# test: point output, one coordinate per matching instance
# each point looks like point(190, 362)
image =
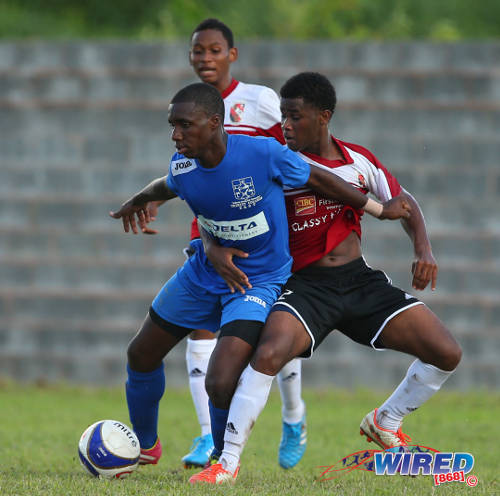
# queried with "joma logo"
point(182, 165)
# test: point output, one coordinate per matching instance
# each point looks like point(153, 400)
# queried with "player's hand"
point(396, 208)
point(424, 269)
point(152, 208)
point(221, 258)
point(132, 215)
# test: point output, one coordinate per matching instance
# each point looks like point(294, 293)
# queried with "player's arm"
point(221, 257)
point(136, 206)
point(424, 267)
point(333, 187)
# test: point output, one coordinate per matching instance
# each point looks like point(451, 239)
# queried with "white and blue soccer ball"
point(109, 449)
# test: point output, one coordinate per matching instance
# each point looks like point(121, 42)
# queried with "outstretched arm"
point(424, 266)
point(333, 187)
point(136, 206)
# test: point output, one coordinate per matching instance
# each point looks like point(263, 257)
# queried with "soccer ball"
point(109, 449)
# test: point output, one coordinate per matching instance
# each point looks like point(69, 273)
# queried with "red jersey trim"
point(333, 163)
point(230, 88)
point(195, 232)
point(273, 132)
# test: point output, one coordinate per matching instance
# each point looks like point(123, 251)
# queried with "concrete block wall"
point(83, 125)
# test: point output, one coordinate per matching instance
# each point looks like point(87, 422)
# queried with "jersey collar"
point(230, 88)
point(332, 163)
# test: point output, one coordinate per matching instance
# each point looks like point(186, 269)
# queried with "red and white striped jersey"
point(253, 110)
point(317, 225)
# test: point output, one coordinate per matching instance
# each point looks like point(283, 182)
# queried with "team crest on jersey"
point(244, 192)
point(305, 205)
point(362, 180)
point(236, 112)
point(243, 188)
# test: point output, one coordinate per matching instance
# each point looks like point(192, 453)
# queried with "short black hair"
point(313, 88)
point(213, 23)
point(202, 95)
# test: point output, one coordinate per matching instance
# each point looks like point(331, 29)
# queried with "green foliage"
point(40, 428)
point(446, 20)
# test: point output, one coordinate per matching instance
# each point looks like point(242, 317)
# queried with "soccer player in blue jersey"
point(254, 110)
point(242, 207)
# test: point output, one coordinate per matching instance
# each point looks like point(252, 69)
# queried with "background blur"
point(84, 88)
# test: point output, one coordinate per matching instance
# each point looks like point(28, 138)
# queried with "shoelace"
point(196, 441)
point(292, 431)
point(404, 438)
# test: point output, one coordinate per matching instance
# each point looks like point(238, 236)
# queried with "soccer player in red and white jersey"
point(332, 286)
point(253, 110)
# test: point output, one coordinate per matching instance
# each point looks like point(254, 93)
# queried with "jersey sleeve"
point(172, 184)
point(269, 115)
point(288, 168)
point(378, 180)
point(383, 184)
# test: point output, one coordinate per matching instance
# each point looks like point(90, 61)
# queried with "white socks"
point(198, 353)
point(248, 401)
point(420, 383)
point(290, 385)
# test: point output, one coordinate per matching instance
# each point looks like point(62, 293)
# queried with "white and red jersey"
point(317, 225)
point(253, 110)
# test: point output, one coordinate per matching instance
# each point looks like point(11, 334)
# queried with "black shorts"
point(353, 298)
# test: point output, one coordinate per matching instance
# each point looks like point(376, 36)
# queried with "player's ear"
point(233, 54)
point(325, 116)
point(190, 57)
point(215, 121)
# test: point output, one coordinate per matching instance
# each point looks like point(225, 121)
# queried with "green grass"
point(40, 428)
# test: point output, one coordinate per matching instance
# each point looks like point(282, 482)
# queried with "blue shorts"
point(188, 305)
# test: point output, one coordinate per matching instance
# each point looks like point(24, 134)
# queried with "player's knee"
point(453, 357)
point(449, 356)
point(220, 390)
point(137, 359)
point(268, 359)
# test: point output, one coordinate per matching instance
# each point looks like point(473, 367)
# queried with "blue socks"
point(144, 391)
point(218, 419)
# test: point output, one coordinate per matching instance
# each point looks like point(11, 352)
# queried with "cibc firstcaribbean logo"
point(413, 460)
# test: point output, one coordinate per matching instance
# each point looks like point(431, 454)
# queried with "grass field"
point(40, 428)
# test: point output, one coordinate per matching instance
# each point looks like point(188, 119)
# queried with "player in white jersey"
point(241, 206)
point(253, 110)
point(333, 288)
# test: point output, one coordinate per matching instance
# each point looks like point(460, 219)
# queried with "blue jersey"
point(240, 202)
